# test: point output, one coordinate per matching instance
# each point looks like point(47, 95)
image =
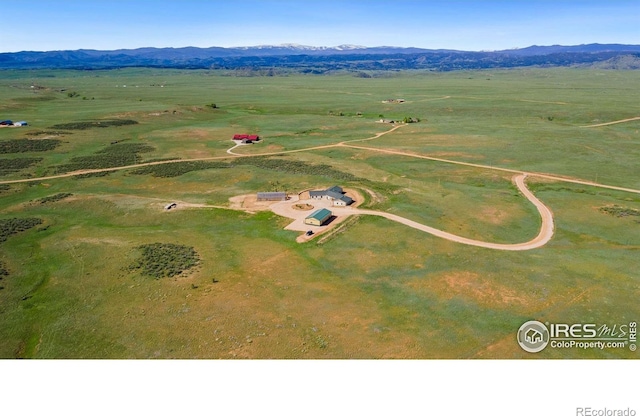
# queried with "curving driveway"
point(543, 237)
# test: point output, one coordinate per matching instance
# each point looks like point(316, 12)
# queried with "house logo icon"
point(533, 336)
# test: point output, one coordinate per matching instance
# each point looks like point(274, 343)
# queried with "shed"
point(272, 196)
point(319, 217)
point(20, 123)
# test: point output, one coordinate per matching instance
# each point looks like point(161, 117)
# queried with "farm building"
point(6, 123)
point(20, 123)
point(335, 194)
point(272, 196)
point(319, 217)
point(246, 138)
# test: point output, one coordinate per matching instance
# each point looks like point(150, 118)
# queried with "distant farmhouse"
point(272, 196)
point(335, 194)
point(246, 138)
point(319, 217)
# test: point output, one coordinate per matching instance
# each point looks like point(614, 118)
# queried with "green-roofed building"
point(319, 217)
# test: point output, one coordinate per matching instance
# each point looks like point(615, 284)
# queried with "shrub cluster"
point(3, 270)
point(165, 260)
point(619, 211)
point(121, 154)
point(54, 198)
point(28, 145)
point(14, 165)
point(171, 170)
point(295, 167)
point(83, 125)
point(48, 132)
point(12, 226)
point(92, 175)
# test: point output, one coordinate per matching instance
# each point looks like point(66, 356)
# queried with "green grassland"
point(73, 283)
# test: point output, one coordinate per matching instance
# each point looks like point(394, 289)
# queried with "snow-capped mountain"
point(298, 47)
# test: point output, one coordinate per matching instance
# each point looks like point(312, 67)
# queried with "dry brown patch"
point(199, 133)
point(494, 215)
point(375, 197)
point(455, 154)
point(471, 286)
point(273, 148)
point(197, 154)
point(100, 241)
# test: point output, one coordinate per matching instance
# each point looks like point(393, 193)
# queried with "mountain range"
point(323, 59)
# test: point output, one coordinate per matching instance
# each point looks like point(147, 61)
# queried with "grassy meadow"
point(377, 290)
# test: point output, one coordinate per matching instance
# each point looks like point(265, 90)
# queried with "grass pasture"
point(376, 290)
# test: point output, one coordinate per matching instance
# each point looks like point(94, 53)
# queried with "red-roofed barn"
point(246, 138)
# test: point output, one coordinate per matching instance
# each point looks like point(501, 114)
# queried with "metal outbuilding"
point(319, 217)
point(272, 196)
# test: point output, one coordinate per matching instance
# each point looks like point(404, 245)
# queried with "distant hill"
point(324, 59)
point(592, 48)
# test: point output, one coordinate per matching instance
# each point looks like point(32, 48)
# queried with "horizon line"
point(321, 47)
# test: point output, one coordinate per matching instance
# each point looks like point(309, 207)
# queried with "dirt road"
point(626, 120)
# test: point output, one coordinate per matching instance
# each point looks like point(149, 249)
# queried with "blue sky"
point(467, 25)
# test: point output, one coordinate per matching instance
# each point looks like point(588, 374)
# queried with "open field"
point(377, 289)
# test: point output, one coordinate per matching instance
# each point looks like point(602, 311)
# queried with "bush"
point(620, 212)
point(171, 170)
point(54, 198)
point(14, 165)
point(110, 157)
point(165, 260)
point(83, 125)
point(295, 167)
point(3, 270)
point(27, 145)
point(11, 226)
point(92, 175)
